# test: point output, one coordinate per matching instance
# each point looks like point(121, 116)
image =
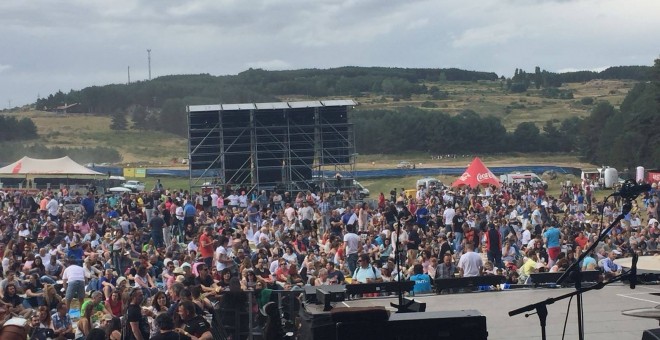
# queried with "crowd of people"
point(161, 264)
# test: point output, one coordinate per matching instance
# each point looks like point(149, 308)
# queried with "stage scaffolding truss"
point(292, 146)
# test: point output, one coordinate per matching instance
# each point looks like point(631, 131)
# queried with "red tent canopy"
point(476, 174)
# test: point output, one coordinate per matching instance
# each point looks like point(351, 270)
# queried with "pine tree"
point(119, 121)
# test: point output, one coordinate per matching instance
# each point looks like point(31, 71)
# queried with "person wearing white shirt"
point(23, 231)
point(448, 216)
point(233, 200)
point(470, 263)
point(635, 222)
point(242, 200)
point(526, 235)
point(74, 283)
point(192, 246)
point(223, 255)
point(53, 208)
point(214, 203)
point(290, 213)
point(351, 247)
point(275, 264)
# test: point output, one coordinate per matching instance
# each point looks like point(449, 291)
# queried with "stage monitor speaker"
point(412, 306)
point(651, 334)
point(445, 325)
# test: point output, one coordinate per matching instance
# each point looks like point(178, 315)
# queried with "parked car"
point(526, 177)
point(135, 186)
point(364, 192)
point(405, 165)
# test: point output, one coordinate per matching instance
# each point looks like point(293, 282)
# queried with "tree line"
point(628, 136)
point(14, 129)
point(436, 132)
point(14, 151)
point(550, 81)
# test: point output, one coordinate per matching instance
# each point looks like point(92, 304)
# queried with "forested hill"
point(256, 85)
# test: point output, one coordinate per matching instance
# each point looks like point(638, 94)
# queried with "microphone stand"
point(541, 307)
point(403, 306)
point(574, 271)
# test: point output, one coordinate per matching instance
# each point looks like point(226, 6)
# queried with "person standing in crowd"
point(470, 263)
point(351, 248)
point(88, 204)
point(189, 213)
point(137, 326)
point(206, 246)
point(53, 208)
point(494, 245)
point(73, 279)
point(552, 237)
point(157, 224)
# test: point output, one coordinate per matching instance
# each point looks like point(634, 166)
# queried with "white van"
point(428, 182)
point(526, 177)
point(364, 192)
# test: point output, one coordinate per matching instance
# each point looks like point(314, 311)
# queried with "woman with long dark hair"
point(38, 267)
point(158, 306)
point(113, 303)
point(85, 324)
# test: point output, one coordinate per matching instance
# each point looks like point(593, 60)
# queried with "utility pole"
point(149, 61)
point(129, 75)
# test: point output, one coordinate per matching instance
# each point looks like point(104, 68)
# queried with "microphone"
point(633, 271)
point(631, 190)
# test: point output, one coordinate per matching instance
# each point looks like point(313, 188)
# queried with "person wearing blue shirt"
point(112, 213)
point(551, 237)
point(189, 213)
point(75, 253)
point(422, 215)
point(88, 204)
point(422, 281)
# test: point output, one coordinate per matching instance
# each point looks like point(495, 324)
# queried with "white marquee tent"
point(35, 167)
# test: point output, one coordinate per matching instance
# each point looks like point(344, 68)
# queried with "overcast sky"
point(50, 45)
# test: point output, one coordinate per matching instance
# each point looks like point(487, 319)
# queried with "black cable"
point(568, 309)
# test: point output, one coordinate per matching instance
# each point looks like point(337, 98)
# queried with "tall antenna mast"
point(149, 60)
point(129, 75)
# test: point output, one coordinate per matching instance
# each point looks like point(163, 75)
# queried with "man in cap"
point(75, 253)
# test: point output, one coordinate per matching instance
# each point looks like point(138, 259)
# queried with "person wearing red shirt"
point(581, 240)
point(206, 246)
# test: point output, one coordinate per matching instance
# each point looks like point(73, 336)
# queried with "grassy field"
point(422, 160)
point(135, 146)
point(489, 98)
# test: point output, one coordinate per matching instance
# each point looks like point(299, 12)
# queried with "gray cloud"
point(70, 44)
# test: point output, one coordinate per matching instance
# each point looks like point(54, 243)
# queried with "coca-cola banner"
point(652, 177)
point(476, 174)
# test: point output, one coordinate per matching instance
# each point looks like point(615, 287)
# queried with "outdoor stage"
point(602, 311)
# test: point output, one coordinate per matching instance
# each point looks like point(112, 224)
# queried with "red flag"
point(17, 168)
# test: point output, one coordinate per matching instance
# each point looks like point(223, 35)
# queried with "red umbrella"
point(476, 174)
